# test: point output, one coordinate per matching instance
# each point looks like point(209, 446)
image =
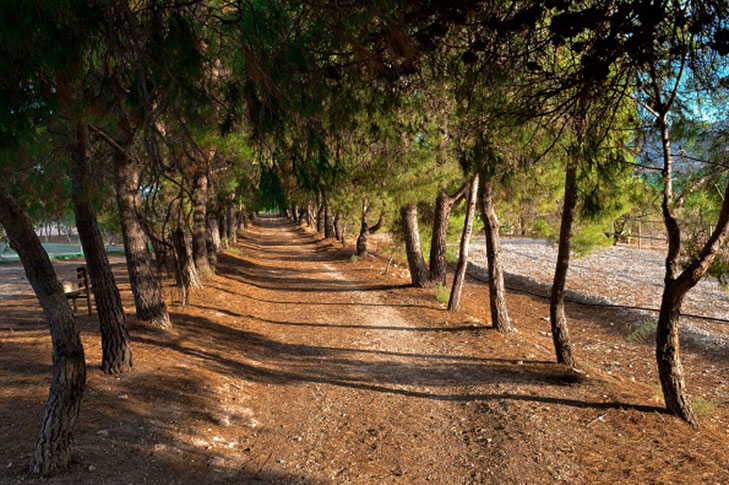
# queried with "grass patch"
point(705, 408)
point(640, 334)
point(235, 251)
point(442, 293)
point(353, 258)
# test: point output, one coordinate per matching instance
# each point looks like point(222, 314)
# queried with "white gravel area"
point(617, 275)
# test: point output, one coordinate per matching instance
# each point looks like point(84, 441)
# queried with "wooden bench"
point(82, 292)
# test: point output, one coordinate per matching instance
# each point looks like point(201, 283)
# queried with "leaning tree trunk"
point(328, 222)
point(497, 295)
point(147, 296)
point(116, 351)
point(455, 299)
point(199, 223)
point(560, 332)
point(338, 227)
point(418, 271)
point(53, 442)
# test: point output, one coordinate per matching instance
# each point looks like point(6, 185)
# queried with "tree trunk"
point(560, 332)
point(212, 239)
point(455, 298)
point(438, 244)
point(670, 370)
point(116, 351)
point(338, 227)
point(328, 222)
point(320, 219)
point(497, 294)
point(185, 264)
point(365, 229)
point(199, 223)
point(53, 442)
point(418, 271)
point(147, 296)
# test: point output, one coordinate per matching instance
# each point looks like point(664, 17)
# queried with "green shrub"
point(442, 293)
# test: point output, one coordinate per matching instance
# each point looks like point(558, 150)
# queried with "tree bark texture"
point(560, 331)
point(116, 350)
point(188, 276)
point(418, 272)
point(147, 296)
point(455, 299)
point(497, 294)
point(365, 229)
point(199, 222)
point(212, 239)
point(52, 452)
point(328, 222)
point(439, 243)
point(320, 219)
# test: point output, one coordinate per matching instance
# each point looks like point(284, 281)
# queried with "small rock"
point(103, 432)
point(217, 462)
point(123, 396)
point(91, 468)
point(224, 421)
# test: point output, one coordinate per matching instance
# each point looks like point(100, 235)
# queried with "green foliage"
point(442, 293)
point(705, 408)
point(640, 333)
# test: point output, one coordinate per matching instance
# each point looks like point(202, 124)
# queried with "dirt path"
point(356, 394)
point(297, 365)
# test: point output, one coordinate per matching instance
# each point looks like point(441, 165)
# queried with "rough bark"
point(320, 219)
point(148, 299)
point(328, 222)
point(199, 223)
point(187, 274)
point(418, 271)
point(338, 227)
point(116, 350)
point(212, 239)
point(497, 294)
point(438, 245)
point(455, 299)
point(365, 229)
point(560, 331)
point(52, 452)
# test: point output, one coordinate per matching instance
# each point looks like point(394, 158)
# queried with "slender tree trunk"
point(186, 265)
point(53, 442)
point(365, 229)
point(455, 299)
point(418, 271)
point(497, 294)
point(147, 296)
point(310, 216)
point(560, 331)
point(116, 351)
point(199, 223)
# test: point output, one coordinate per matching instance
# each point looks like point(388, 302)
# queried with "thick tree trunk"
point(560, 332)
point(53, 442)
point(199, 223)
point(328, 222)
point(310, 216)
point(455, 298)
point(147, 296)
point(116, 351)
point(497, 294)
point(212, 239)
point(418, 271)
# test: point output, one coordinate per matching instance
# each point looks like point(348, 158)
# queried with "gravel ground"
point(617, 275)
